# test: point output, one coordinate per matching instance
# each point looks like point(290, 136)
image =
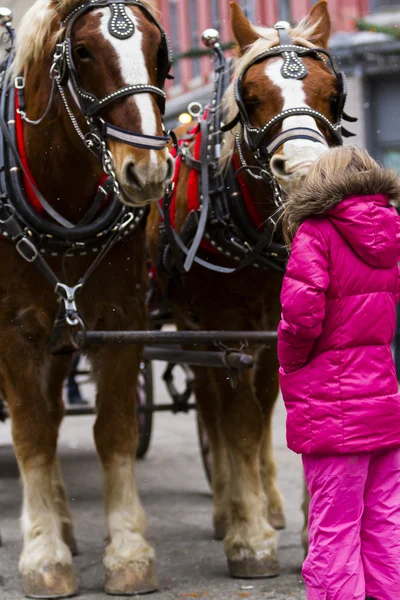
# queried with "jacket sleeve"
point(303, 297)
point(398, 284)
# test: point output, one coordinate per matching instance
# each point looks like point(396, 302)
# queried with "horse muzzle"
point(145, 180)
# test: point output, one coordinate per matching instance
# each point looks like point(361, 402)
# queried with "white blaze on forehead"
point(133, 67)
point(294, 96)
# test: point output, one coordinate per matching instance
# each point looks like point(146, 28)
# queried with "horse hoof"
point(254, 568)
point(132, 579)
point(52, 581)
point(276, 519)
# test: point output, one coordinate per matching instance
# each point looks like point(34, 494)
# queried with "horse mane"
point(37, 28)
point(303, 34)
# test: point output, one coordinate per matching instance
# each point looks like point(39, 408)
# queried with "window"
point(377, 5)
point(215, 15)
point(249, 8)
point(194, 36)
point(174, 39)
point(284, 10)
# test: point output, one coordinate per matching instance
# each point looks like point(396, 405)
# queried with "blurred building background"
point(186, 19)
point(365, 41)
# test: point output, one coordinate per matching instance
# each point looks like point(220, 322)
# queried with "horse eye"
point(83, 53)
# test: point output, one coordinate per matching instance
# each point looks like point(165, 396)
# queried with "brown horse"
point(247, 503)
point(68, 176)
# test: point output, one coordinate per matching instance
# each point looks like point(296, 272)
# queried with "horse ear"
point(319, 14)
point(242, 29)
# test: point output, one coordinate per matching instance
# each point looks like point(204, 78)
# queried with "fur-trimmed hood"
point(309, 200)
point(360, 207)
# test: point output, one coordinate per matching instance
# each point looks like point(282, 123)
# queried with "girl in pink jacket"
point(337, 373)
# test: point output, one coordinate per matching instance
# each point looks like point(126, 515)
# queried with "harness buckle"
point(128, 219)
point(93, 141)
point(19, 82)
point(67, 295)
point(27, 249)
point(10, 215)
point(56, 66)
point(239, 244)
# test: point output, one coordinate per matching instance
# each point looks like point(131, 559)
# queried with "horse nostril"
point(278, 166)
point(132, 177)
point(170, 169)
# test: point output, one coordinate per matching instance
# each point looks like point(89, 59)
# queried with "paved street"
point(178, 504)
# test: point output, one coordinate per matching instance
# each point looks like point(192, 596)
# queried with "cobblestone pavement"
point(177, 499)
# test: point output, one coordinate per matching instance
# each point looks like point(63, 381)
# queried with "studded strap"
point(140, 88)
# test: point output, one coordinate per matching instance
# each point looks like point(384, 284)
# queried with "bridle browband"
point(256, 138)
point(64, 74)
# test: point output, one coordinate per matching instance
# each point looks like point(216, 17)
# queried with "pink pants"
point(354, 526)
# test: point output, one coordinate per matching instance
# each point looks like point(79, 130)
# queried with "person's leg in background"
point(333, 568)
point(73, 392)
point(380, 526)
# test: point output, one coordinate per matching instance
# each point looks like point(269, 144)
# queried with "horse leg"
point(250, 542)
point(208, 409)
point(266, 384)
point(46, 562)
point(129, 559)
point(57, 371)
point(62, 506)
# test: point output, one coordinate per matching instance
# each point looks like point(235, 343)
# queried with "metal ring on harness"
point(78, 337)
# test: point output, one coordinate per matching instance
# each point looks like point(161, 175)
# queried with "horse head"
point(287, 100)
point(113, 60)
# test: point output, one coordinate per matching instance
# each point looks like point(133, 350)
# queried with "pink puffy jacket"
point(337, 373)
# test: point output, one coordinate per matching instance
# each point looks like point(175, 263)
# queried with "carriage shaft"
point(176, 337)
point(233, 360)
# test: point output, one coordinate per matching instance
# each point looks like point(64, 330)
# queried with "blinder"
point(120, 17)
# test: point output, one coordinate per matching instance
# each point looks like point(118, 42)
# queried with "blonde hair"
point(340, 160)
point(340, 172)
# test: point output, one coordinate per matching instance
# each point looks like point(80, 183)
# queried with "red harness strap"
point(33, 200)
point(193, 189)
point(22, 154)
point(194, 178)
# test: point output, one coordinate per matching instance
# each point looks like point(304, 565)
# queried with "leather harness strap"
point(30, 232)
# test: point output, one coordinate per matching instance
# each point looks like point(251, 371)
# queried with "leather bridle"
point(104, 224)
point(215, 220)
point(257, 139)
point(64, 74)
